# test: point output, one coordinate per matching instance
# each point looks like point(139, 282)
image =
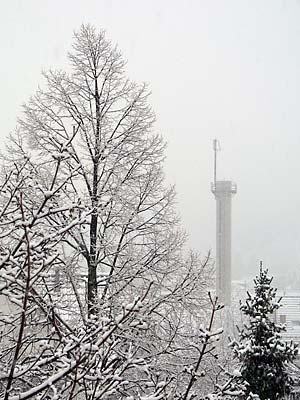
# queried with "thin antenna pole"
point(215, 161)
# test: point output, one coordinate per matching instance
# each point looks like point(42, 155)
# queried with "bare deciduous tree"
point(45, 352)
point(88, 231)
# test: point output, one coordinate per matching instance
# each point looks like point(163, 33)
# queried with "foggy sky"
point(226, 69)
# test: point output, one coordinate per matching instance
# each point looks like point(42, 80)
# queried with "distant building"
point(289, 314)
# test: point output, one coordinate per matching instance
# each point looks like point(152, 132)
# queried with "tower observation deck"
point(223, 192)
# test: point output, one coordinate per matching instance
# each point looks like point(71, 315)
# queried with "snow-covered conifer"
point(263, 354)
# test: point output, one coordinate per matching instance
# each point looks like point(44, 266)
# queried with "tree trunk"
point(92, 263)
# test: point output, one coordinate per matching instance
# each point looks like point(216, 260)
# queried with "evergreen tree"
point(263, 355)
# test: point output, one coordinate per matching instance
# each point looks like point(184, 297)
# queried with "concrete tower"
point(223, 191)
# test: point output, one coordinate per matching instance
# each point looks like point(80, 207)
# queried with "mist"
point(226, 70)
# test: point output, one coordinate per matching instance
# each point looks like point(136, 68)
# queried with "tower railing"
point(231, 189)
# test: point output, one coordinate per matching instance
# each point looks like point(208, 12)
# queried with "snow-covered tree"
point(99, 296)
point(45, 351)
point(263, 355)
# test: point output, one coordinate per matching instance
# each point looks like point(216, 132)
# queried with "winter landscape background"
point(108, 284)
point(216, 69)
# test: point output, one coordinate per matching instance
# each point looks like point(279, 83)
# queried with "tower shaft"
point(223, 191)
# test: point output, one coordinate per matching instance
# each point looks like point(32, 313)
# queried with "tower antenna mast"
point(216, 147)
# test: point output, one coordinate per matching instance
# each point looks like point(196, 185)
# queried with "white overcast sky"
point(226, 69)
